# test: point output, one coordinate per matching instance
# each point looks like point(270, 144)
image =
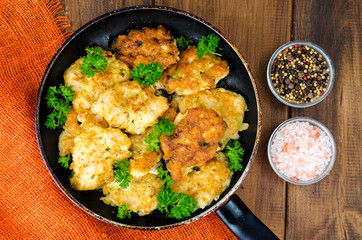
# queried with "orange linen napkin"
point(31, 204)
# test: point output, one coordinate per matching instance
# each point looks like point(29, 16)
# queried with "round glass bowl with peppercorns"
point(300, 74)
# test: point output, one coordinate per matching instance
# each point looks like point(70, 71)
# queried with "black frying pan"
point(101, 32)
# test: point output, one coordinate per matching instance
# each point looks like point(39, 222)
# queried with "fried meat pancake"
point(87, 89)
point(94, 153)
point(227, 104)
point(194, 142)
point(146, 46)
point(143, 163)
point(129, 106)
point(192, 74)
point(71, 130)
point(205, 184)
point(138, 141)
point(140, 196)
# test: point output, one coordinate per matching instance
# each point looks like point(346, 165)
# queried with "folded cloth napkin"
point(31, 204)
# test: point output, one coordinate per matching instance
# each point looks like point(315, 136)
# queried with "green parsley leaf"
point(163, 127)
point(123, 211)
point(184, 206)
point(153, 140)
point(94, 61)
point(174, 205)
point(174, 74)
point(59, 100)
point(166, 127)
point(164, 176)
point(67, 93)
point(182, 42)
point(235, 153)
point(166, 197)
point(121, 174)
point(196, 168)
point(122, 72)
point(208, 45)
point(64, 161)
point(147, 74)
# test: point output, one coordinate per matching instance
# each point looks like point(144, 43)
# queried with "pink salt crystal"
point(299, 153)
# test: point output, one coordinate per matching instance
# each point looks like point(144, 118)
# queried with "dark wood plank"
point(81, 12)
point(331, 209)
point(257, 28)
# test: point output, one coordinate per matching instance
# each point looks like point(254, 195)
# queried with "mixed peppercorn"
point(300, 74)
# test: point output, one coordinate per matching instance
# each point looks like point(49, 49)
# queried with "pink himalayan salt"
point(301, 151)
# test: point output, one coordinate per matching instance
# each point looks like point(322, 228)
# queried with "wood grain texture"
point(257, 28)
point(80, 12)
point(331, 209)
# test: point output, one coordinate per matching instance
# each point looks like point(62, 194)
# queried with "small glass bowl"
point(312, 46)
point(312, 122)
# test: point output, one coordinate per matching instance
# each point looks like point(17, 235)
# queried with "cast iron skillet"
point(101, 32)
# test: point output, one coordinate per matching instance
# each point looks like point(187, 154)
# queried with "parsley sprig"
point(235, 153)
point(182, 42)
point(163, 127)
point(123, 211)
point(121, 174)
point(175, 205)
point(59, 100)
point(147, 74)
point(94, 61)
point(208, 45)
point(64, 161)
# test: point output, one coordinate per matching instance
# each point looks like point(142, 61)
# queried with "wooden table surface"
point(330, 209)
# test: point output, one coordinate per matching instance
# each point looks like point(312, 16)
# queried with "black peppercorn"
point(304, 74)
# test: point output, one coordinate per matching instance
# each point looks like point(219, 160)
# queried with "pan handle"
point(242, 222)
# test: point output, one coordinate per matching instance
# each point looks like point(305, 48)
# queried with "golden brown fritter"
point(170, 114)
point(228, 105)
point(194, 142)
point(206, 183)
point(192, 74)
point(143, 159)
point(147, 45)
point(140, 196)
point(129, 106)
point(94, 153)
point(138, 141)
point(143, 163)
point(87, 89)
point(71, 130)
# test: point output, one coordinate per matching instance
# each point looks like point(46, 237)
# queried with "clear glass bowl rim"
point(323, 128)
point(325, 56)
